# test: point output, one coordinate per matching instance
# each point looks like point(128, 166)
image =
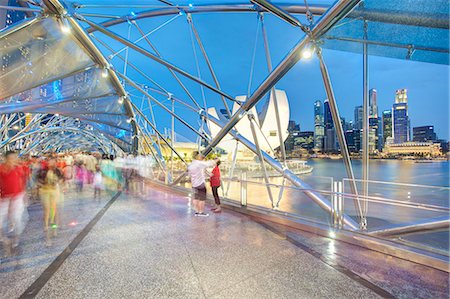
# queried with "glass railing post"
point(340, 205)
point(244, 189)
point(337, 205)
point(334, 204)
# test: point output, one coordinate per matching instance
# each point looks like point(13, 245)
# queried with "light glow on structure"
point(65, 27)
point(307, 53)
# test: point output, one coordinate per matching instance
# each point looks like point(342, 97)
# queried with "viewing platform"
point(153, 246)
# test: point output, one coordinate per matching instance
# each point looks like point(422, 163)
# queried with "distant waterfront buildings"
point(426, 149)
point(400, 117)
point(389, 131)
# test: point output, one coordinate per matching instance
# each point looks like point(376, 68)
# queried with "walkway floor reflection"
point(153, 247)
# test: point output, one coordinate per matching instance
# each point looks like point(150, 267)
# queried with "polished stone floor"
point(153, 247)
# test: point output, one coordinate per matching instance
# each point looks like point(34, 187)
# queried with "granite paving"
point(152, 246)
point(33, 255)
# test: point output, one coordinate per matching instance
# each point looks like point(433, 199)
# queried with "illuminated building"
point(358, 121)
point(373, 108)
point(387, 125)
point(330, 140)
point(319, 130)
point(400, 117)
point(413, 148)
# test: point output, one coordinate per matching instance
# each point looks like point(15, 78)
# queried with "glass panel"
point(37, 54)
point(405, 29)
point(80, 92)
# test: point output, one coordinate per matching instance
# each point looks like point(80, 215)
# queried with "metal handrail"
point(399, 184)
point(375, 199)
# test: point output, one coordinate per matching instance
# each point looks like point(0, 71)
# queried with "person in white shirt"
point(197, 173)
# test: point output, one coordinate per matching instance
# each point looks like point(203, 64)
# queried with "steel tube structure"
point(333, 15)
point(157, 132)
point(55, 7)
point(208, 63)
point(275, 103)
point(288, 174)
point(188, 93)
point(132, 83)
point(279, 12)
point(417, 226)
point(251, 117)
point(242, 7)
point(365, 139)
point(372, 15)
point(339, 132)
point(390, 45)
point(153, 57)
point(19, 8)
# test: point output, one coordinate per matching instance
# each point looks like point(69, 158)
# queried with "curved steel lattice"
point(75, 77)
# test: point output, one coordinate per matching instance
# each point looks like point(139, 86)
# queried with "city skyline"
point(378, 112)
point(389, 133)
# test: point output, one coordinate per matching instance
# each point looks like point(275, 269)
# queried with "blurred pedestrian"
point(98, 183)
point(80, 176)
point(13, 182)
point(49, 180)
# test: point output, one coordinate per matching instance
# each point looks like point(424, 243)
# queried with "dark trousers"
point(200, 193)
point(215, 193)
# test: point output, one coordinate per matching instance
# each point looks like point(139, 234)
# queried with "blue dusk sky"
point(229, 39)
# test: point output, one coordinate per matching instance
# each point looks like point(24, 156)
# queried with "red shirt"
point(12, 180)
point(214, 180)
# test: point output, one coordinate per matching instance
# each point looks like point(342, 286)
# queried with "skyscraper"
point(424, 134)
point(400, 117)
point(375, 135)
point(358, 121)
point(328, 119)
point(293, 126)
point(373, 108)
point(330, 140)
point(350, 139)
point(387, 125)
point(319, 131)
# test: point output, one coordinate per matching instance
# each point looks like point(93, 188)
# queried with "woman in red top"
point(13, 180)
point(214, 180)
